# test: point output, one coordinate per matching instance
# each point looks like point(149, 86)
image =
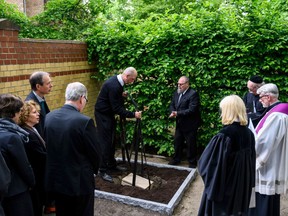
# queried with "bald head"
point(129, 75)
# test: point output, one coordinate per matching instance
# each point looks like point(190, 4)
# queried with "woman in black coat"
point(36, 152)
point(12, 138)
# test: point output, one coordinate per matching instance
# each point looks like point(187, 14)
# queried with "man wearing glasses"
point(185, 107)
point(254, 107)
point(272, 153)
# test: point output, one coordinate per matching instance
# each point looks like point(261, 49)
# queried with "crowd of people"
point(49, 159)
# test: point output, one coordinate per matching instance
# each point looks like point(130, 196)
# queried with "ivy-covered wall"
point(218, 48)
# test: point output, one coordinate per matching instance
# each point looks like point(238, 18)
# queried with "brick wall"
point(66, 61)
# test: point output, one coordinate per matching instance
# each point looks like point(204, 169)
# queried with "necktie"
point(42, 105)
point(179, 97)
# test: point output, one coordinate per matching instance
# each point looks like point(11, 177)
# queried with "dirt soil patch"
point(166, 182)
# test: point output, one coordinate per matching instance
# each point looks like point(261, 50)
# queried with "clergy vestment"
point(272, 160)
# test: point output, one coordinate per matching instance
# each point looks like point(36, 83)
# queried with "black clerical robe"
point(227, 167)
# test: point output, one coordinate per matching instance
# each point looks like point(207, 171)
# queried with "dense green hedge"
point(219, 46)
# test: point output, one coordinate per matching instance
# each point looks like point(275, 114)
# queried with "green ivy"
point(218, 45)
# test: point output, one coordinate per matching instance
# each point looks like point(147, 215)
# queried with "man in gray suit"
point(73, 154)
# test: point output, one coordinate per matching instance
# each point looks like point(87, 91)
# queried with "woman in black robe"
point(227, 165)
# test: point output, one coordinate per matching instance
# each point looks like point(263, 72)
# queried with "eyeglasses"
point(85, 98)
point(181, 84)
point(263, 96)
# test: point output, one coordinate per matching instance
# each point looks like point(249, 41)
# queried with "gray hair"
point(74, 91)
point(130, 71)
point(269, 89)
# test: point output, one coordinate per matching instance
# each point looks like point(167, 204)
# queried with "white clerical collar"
point(119, 77)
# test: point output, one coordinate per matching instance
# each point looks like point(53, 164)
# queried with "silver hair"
point(74, 91)
point(269, 89)
point(130, 70)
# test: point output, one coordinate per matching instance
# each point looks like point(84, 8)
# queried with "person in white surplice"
point(271, 153)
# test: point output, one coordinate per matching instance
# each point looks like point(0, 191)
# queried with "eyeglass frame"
point(84, 96)
point(181, 84)
point(265, 95)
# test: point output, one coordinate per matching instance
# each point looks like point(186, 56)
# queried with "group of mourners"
point(245, 166)
point(49, 160)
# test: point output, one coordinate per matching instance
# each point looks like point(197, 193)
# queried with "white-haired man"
point(272, 153)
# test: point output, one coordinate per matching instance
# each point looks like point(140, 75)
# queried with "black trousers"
point(74, 205)
point(106, 126)
point(190, 137)
point(266, 205)
point(17, 205)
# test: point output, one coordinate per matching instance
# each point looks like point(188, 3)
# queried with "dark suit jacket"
point(40, 125)
point(110, 100)
point(73, 152)
point(188, 110)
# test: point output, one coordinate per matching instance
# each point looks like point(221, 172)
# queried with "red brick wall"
point(66, 61)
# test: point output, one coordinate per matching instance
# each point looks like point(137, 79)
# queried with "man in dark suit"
point(185, 107)
point(254, 108)
point(110, 102)
point(73, 154)
point(41, 85)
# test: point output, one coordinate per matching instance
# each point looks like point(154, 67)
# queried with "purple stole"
point(282, 108)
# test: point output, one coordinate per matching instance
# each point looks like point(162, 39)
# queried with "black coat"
point(73, 153)
point(227, 167)
point(12, 149)
point(36, 153)
point(110, 100)
point(40, 125)
point(188, 110)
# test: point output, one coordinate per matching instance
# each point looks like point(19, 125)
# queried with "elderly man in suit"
point(185, 107)
point(73, 154)
point(110, 102)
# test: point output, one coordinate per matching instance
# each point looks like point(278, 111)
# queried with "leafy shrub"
point(218, 45)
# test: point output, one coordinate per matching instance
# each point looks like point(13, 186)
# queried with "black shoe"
point(106, 177)
point(174, 162)
point(192, 165)
point(120, 168)
point(117, 169)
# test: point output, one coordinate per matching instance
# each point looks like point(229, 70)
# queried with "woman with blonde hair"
point(227, 165)
point(36, 153)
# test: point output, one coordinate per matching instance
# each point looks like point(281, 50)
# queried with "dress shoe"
point(120, 168)
point(106, 177)
point(192, 165)
point(174, 162)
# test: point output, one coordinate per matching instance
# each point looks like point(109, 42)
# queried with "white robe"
point(272, 155)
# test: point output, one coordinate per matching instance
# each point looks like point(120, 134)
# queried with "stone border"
point(166, 209)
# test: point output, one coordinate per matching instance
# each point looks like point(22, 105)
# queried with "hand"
point(125, 94)
point(138, 115)
point(173, 114)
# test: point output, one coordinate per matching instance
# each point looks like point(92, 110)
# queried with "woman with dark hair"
point(12, 138)
point(36, 153)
